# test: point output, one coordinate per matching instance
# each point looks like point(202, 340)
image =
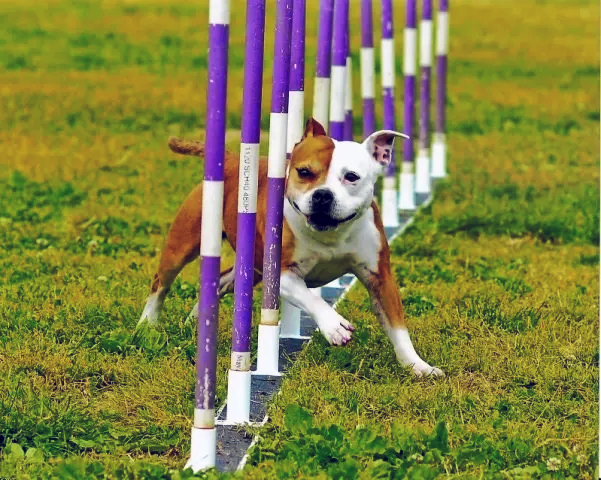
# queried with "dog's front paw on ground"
point(337, 331)
point(422, 369)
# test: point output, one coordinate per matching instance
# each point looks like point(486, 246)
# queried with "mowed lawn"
point(500, 275)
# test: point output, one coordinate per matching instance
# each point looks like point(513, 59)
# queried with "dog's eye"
point(304, 172)
point(351, 177)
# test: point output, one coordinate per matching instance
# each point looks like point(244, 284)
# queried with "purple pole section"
point(441, 81)
point(206, 363)
point(424, 104)
point(275, 185)
point(251, 134)
point(296, 102)
point(297, 53)
point(408, 154)
point(348, 100)
point(341, 10)
point(324, 39)
point(388, 83)
point(321, 91)
point(367, 44)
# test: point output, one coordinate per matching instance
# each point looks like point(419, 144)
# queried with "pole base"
point(268, 351)
point(238, 397)
point(203, 449)
point(407, 193)
point(439, 156)
point(290, 323)
point(390, 216)
point(422, 173)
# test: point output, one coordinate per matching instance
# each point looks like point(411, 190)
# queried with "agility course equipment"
point(390, 214)
point(439, 146)
point(248, 391)
point(269, 328)
point(239, 376)
point(407, 179)
point(422, 162)
point(368, 87)
point(204, 435)
point(291, 315)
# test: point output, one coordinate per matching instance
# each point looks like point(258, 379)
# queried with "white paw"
point(422, 369)
point(152, 310)
point(336, 330)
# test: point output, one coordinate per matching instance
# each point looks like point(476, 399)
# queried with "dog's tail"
point(186, 147)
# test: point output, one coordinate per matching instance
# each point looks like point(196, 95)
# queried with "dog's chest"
point(319, 267)
point(319, 264)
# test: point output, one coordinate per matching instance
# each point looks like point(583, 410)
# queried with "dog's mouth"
point(322, 221)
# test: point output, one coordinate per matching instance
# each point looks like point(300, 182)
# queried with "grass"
point(500, 276)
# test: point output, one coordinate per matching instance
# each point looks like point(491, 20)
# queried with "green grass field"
point(500, 275)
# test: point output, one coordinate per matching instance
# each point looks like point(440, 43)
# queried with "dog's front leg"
point(386, 302)
point(332, 325)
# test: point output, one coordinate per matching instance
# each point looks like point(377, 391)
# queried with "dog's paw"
point(152, 311)
point(422, 369)
point(336, 330)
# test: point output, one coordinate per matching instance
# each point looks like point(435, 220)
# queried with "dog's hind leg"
point(182, 246)
point(226, 285)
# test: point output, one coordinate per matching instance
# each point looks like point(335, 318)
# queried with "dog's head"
point(331, 183)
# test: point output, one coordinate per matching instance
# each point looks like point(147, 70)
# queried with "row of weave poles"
point(332, 106)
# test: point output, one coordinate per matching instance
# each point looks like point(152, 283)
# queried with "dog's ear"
point(380, 145)
point(314, 129)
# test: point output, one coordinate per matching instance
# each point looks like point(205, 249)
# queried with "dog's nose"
point(322, 200)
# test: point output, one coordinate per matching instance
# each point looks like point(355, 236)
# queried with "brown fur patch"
point(312, 155)
point(182, 244)
point(382, 284)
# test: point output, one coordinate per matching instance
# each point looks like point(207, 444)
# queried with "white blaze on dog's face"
point(330, 182)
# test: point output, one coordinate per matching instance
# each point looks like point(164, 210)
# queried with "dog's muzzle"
point(320, 218)
point(322, 203)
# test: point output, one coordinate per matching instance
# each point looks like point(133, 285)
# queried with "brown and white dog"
point(332, 226)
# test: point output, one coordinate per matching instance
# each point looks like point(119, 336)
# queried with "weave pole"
point(368, 90)
point(204, 435)
point(407, 186)
point(348, 92)
point(439, 145)
point(338, 83)
point(323, 67)
point(390, 216)
point(239, 375)
point(422, 163)
point(338, 98)
point(269, 328)
point(291, 315)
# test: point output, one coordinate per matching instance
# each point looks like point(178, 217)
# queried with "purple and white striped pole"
point(291, 315)
point(368, 90)
point(439, 145)
point(338, 85)
point(239, 377)
point(340, 80)
point(321, 95)
point(422, 163)
point(390, 216)
point(203, 441)
point(269, 329)
point(407, 187)
point(348, 93)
